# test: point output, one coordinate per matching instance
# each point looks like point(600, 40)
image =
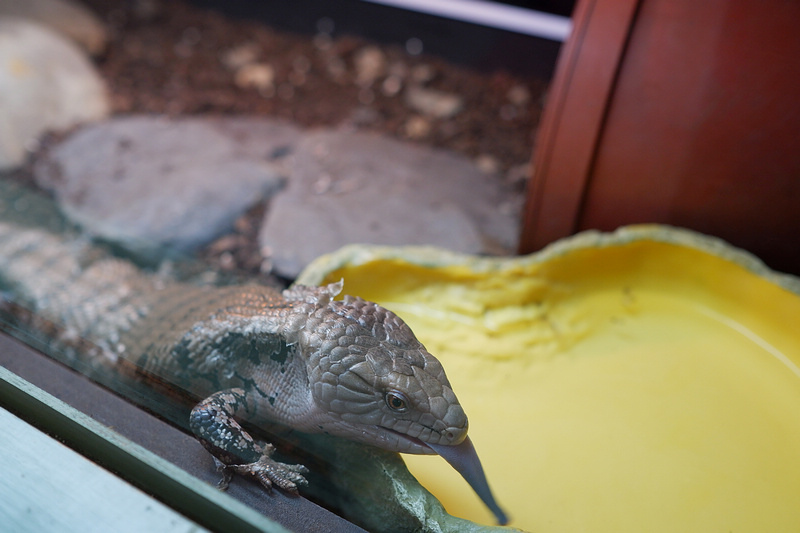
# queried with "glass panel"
point(110, 311)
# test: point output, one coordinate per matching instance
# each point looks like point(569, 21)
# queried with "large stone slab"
point(149, 182)
point(351, 187)
point(46, 83)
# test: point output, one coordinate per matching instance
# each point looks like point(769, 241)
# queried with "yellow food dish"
point(645, 380)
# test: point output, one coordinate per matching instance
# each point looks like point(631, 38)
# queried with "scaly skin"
point(349, 368)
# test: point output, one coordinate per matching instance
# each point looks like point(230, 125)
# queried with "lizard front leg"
point(234, 450)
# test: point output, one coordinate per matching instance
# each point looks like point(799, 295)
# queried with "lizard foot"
point(233, 449)
point(227, 474)
point(269, 472)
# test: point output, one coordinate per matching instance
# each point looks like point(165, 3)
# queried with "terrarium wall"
point(675, 112)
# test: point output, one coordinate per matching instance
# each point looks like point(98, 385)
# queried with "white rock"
point(260, 76)
point(519, 95)
point(46, 83)
point(487, 163)
point(241, 55)
point(422, 73)
point(370, 64)
point(70, 19)
point(433, 103)
point(392, 85)
point(417, 127)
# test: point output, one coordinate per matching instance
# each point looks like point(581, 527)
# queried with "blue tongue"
point(464, 459)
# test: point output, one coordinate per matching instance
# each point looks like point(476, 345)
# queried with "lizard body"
point(349, 368)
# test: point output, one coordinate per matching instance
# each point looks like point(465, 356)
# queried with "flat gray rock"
point(46, 83)
point(148, 182)
point(351, 187)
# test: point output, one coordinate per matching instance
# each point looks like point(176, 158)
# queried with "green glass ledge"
point(50, 486)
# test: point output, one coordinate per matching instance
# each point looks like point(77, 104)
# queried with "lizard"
point(298, 357)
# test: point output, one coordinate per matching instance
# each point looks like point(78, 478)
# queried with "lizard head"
point(372, 381)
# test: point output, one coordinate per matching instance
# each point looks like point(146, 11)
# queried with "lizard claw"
point(227, 475)
point(269, 472)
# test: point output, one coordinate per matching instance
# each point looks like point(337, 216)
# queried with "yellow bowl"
point(645, 380)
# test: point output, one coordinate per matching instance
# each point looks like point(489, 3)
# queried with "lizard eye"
point(396, 401)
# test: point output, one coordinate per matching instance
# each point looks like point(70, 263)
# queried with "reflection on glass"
point(171, 334)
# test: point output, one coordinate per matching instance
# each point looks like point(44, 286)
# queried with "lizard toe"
point(269, 472)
